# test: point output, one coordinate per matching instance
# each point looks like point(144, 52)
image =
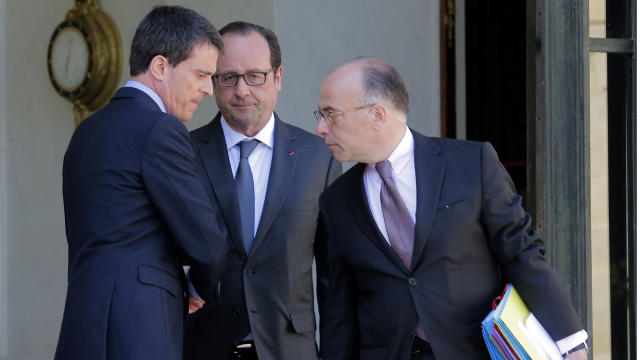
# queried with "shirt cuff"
point(192, 290)
point(570, 342)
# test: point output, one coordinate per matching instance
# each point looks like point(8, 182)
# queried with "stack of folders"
point(512, 332)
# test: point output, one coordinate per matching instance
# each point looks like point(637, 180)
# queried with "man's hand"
point(577, 355)
point(196, 304)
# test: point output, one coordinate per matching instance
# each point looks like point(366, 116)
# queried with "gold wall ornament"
point(84, 58)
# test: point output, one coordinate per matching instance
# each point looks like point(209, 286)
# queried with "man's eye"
point(227, 77)
point(253, 76)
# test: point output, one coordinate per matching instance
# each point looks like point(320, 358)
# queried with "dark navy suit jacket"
point(135, 212)
point(471, 237)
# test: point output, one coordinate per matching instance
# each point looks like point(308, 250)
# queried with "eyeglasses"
point(255, 78)
point(329, 116)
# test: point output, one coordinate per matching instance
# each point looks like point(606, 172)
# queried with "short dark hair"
point(244, 28)
point(380, 79)
point(173, 32)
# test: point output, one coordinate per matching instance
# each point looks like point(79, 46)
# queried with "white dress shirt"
point(259, 160)
point(142, 87)
point(404, 175)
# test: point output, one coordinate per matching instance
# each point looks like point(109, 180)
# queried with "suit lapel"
point(214, 155)
point(364, 218)
point(429, 175)
point(283, 165)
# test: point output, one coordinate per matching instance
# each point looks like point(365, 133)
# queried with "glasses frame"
point(237, 77)
point(329, 116)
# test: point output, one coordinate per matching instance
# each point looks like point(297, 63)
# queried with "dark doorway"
point(496, 81)
point(622, 179)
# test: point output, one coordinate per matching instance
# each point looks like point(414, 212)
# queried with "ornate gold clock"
point(84, 58)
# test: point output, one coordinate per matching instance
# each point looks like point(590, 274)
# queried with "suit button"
point(248, 271)
point(413, 282)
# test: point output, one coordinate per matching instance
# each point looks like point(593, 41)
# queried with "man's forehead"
point(244, 52)
point(251, 42)
point(202, 57)
point(337, 86)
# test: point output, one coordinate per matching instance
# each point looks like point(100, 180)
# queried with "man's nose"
point(241, 89)
point(207, 87)
point(322, 127)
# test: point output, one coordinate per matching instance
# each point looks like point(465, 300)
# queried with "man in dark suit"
point(424, 233)
point(264, 305)
point(135, 210)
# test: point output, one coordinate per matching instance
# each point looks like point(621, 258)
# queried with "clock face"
point(69, 58)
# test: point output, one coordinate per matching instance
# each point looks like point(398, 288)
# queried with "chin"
point(185, 119)
point(338, 156)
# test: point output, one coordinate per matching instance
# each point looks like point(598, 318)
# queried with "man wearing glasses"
point(265, 176)
point(425, 233)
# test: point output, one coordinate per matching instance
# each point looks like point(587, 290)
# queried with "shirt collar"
point(144, 88)
point(233, 137)
point(401, 155)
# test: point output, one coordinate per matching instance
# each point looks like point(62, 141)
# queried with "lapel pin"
point(291, 153)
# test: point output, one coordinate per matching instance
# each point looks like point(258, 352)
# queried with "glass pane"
point(600, 274)
point(597, 18)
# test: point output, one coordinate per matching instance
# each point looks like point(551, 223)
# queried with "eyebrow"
point(246, 72)
point(206, 72)
point(328, 108)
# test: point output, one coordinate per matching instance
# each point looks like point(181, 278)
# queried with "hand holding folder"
point(512, 332)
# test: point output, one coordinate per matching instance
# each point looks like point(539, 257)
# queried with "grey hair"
point(382, 82)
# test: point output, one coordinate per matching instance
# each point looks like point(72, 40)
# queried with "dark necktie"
point(246, 196)
point(397, 220)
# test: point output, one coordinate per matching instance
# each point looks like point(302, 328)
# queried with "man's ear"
point(379, 116)
point(158, 67)
point(277, 75)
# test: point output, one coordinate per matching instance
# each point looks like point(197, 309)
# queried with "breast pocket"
point(447, 209)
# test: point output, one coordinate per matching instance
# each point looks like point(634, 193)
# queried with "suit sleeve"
point(339, 330)
point(521, 252)
point(321, 248)
point(171, 180)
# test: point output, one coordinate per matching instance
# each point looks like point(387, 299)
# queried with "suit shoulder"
point(303, 135)
point(305, 139)
point(205, 133)
point(448, 143)
point(346, 183)
point(450, 147)
point(127, 120)
point(199, 133)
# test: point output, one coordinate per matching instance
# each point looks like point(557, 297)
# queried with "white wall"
point(39, 124)
point(36, 123)
point(3, 181)
point(317, 36)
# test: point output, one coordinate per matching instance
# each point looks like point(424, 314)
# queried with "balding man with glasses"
point(265, 176)
point(424, 233)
